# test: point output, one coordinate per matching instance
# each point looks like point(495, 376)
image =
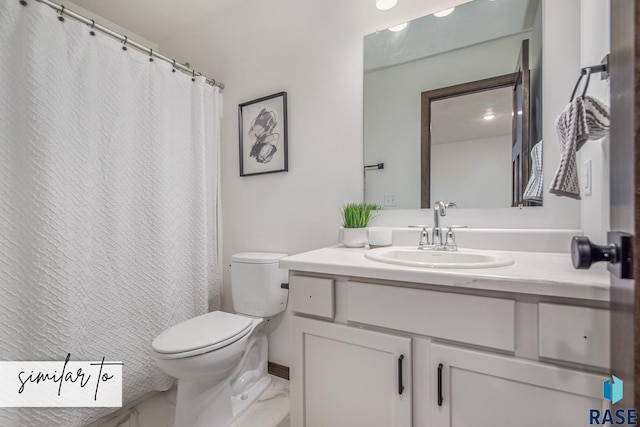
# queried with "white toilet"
point(220, 359)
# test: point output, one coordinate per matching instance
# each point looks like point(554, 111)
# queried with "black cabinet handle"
point(440, 398)
point(400, 386)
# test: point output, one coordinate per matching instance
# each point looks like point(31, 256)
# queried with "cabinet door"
point(479, 389)
point(347, 376)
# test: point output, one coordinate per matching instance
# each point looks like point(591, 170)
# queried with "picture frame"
point(263, 135)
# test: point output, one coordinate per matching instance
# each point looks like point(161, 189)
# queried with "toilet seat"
point(201, 334)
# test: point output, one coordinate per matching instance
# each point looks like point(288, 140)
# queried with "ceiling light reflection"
point(444, 13)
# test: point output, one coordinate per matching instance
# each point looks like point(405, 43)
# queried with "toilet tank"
point(256, 283)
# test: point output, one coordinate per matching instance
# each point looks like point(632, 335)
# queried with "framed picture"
point(263, 135)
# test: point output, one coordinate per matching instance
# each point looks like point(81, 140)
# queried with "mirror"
point(427, 88)
point(468, 132)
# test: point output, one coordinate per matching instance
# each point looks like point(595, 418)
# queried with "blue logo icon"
point(613, 389)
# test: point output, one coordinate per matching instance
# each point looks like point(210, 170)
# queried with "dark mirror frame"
point(521, 143)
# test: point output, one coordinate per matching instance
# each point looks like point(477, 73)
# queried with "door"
point(625, 168)
point(477, 389)
point(347, 376)
point(624, 179)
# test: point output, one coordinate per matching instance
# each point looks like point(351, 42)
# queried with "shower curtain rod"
point(64, 11)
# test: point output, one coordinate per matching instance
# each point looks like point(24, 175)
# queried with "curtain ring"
point(193, 75)
point(23, 2)
point(124, 46)
point(60, 12)
point(174, 66)
point(93, 23)
point(150, 55)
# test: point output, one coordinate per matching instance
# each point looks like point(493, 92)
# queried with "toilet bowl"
point(220, 359)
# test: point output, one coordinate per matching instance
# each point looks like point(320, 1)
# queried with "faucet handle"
point(424, 236)
point(450, 242)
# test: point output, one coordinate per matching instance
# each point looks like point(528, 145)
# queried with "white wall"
point(595, 44)
point(109, 24)
point(472, 173)
point(312, 50)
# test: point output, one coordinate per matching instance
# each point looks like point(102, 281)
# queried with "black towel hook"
point(603, 68)
point(586, 71)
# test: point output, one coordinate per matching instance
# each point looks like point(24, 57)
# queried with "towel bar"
point(376, 166)
point(602, 68)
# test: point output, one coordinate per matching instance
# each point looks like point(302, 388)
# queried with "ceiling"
point(472, 23)
point(460, 118)
point(155, 20)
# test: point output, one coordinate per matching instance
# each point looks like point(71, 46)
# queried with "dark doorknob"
point(584, 253)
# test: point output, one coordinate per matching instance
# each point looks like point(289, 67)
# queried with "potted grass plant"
point(355, 219)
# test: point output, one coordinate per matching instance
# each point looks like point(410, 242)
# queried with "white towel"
point(583, 119)
point(533, 192)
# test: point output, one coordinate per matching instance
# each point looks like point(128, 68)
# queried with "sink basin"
point(438, 259)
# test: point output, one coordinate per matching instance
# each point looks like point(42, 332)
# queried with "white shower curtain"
point(108, 190)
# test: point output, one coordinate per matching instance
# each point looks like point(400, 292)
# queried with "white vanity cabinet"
point(350, 376)
point(477, 389)
point(464, 357)
point(344, 376)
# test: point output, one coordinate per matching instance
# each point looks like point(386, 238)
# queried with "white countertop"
point(535, 273)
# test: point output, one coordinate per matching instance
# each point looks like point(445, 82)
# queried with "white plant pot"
point(355, 237)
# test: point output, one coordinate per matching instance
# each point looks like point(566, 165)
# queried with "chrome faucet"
point(439, 209)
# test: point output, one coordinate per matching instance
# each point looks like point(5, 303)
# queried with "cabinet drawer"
point(312, 295)
point(574, 334)
point(484, 321)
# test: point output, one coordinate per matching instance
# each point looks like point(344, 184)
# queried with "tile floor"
point(270, 410)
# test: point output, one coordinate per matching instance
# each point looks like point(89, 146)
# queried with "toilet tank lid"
point(257, 257)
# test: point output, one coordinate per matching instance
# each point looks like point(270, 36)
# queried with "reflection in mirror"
point(469, 144)
point(480, 40)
